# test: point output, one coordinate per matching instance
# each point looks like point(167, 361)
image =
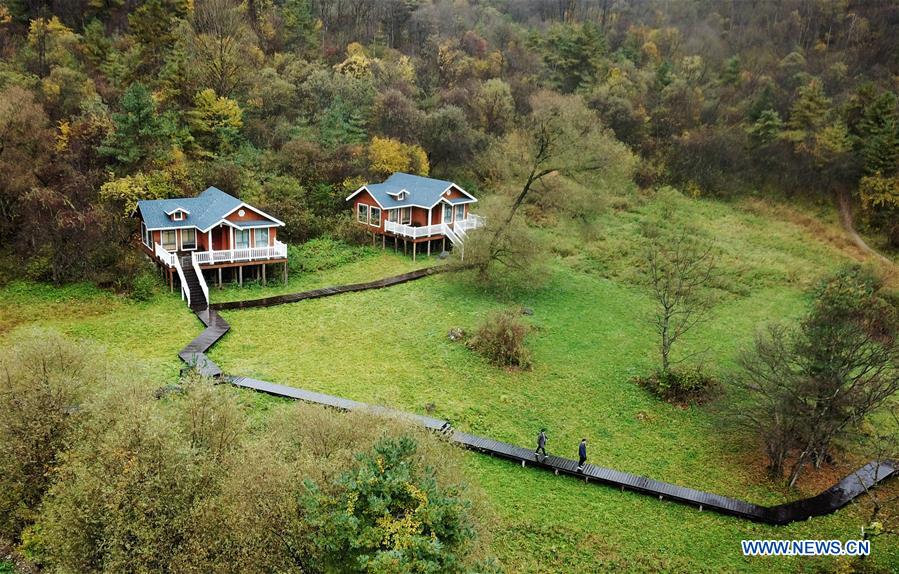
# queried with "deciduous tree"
point(807, 386)
point(679, 271)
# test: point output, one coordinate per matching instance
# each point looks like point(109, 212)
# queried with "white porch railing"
point(276, 251)
point(414, 232)
point(167, 257)
point(470, 222)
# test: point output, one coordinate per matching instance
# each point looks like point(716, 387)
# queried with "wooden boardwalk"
point(827, 502)
point(194, 354)
point(831, 500)
point(328, 291)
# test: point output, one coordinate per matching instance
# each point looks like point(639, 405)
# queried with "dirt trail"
point(845, 210)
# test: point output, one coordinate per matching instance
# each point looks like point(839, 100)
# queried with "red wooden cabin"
point(415, 210)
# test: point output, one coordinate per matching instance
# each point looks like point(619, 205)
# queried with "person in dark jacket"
point(541, 444)
point(582, 454)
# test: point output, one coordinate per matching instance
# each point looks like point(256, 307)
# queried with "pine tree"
point(141, 135)
point(339, 125)
point(767, 128)
point(879, 135)
point(810, 110)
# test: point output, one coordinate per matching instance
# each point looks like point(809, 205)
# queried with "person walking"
point(541, 444)
point(582, 455)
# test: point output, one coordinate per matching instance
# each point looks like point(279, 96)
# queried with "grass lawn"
point(390, 347)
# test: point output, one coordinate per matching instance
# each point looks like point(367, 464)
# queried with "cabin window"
point(460, 212)
point(188, 239)
point(392, 214)
point(262, 237)
point(143, 234)
point(362, 217)
point(178, 216)
point(241, 238)
point(406, 215)
point(170, 239)
point(447, 213)
point(376, 216)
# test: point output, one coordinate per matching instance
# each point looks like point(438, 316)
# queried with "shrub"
point(501, 340)
point(189, 484)
point(323, 253)
point(390, 514)
point(144, 285)
point(42, 380)
point(680, 385)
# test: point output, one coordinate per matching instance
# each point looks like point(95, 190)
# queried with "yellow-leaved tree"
point(387, 155)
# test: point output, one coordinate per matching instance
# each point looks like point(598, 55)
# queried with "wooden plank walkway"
point(194, 354)
point(831, 500)
point(328, 291)
point(827, 502)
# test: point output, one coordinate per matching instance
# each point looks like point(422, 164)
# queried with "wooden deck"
point(829, 501)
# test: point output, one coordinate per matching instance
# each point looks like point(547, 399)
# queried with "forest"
point(692, 214)
point(296, 103)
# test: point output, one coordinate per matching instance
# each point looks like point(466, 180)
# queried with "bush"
point(323, 253)
point(501, 340)
point(42, 381)
point(144, 285)
point(680, 385)
point(390, 514)
point(190, 484)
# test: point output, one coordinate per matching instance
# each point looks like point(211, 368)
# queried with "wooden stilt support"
point(220, 277)
point(414, 250)
point(443, 245)
point(522, 464)
point(240, 276)
point(429, 247)
point(383, 242)
point(263, 274)
point(285, 273)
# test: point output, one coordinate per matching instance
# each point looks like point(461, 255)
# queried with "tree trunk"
point(533, 177)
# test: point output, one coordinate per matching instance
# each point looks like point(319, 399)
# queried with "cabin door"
point(220, 238)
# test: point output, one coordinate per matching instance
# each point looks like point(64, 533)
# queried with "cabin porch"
point(221, 265)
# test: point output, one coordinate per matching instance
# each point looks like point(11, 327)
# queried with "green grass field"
point(591, 337)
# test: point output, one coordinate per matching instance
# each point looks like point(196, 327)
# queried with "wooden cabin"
point(415, 210)
point(211, 233)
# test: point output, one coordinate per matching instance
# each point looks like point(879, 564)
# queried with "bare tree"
point(770, 378)
point(679, 270)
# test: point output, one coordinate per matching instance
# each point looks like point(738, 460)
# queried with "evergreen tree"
point(391, 515)
point(810, 110)
point(340, 125)
point(767, 128)
point(879, 135)
point(141, 135)
point(153, 24)
point(299, 26)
